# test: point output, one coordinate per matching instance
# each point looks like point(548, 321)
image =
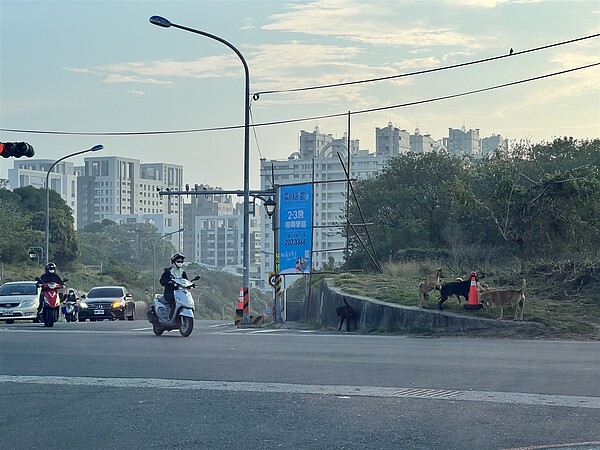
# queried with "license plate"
point(7, 313)
point(98, 311)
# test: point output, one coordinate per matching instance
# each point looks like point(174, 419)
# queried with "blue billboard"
point(295, 228)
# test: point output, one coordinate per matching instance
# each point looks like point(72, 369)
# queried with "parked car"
point(19, 301)
point(106, 302)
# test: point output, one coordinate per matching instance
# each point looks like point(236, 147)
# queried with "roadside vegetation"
point(531, 213)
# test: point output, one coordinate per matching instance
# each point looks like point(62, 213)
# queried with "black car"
point(106, 302)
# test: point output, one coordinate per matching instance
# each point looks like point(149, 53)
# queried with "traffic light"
point(16, 149)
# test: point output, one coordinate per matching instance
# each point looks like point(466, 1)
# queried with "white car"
point(19, 301)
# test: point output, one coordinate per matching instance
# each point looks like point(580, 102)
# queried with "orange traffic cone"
point(240, 304)
point(473, 300)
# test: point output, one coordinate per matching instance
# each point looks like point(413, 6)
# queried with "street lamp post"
point(93, 149)
point(162, 22)
point(154, 259)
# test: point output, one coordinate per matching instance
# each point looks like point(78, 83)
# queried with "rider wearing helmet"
point(70, 297)
point(166, 279)
point(48, 276)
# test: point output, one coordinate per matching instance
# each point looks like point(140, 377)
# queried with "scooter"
point(183, 314)
point(51, 304)
point(70, 310)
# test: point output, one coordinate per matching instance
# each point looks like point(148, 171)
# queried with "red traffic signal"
point(16, 149)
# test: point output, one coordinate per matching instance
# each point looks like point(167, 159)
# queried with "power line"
point(511, 54)
point(304, 119)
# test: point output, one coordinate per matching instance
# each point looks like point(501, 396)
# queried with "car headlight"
point(117, 304)
point(30, 302)
point(83, 305)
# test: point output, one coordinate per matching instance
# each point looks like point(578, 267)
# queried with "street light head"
point(160, 21)
point(95, 148)
point(269, 205)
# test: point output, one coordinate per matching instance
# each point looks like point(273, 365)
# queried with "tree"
point(545, 198)
point(17, 234)
point(63, 242)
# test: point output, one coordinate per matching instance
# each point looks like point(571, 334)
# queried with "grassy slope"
point(567, 311)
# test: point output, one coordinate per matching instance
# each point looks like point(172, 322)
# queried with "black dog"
point(346, 313)
point(458, 288)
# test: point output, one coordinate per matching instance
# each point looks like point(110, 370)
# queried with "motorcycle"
point(183, 314)
point(70, 310)
point(51, 298)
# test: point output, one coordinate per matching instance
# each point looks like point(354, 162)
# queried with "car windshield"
point(105, 292)
point(18, 289)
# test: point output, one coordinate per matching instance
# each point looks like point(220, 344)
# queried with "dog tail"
point(522, 290)
point(345, 301)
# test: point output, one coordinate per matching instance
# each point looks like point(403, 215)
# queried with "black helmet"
point(50, 266)
point(176, 256)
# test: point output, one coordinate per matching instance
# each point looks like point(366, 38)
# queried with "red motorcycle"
point(51, 306)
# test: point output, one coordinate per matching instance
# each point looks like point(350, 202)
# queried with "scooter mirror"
point(197, 277)
point(65, 280)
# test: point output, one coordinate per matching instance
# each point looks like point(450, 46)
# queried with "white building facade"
point(62, 179)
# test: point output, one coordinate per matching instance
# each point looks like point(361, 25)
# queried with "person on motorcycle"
point(71, 297)
point(166, 279)
point(48, 276)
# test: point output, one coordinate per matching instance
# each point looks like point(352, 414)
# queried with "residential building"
point(391, 141)
point(462, 142)
point(318, 161)
point(493, 143)
point(62, 179)
point(126, 191)
point(421, 143)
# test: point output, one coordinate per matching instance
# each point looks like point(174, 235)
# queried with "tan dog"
point(432, 282)
point(503, 297)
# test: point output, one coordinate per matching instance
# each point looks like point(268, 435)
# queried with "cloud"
point(372, 23)
point(247, 23)
point(137, 93)
point(118, 78)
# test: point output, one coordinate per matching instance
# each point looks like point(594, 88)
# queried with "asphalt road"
point(114, 385)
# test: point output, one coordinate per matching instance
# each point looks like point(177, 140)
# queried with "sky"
point(100, 67)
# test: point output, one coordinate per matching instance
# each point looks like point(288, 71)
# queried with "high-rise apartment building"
point(61, 179)
point(318, 161)
point(493, 143)
point(125, 191)
point(462, 142)
point(391, 141)
point(421, 143)
point(213, 234)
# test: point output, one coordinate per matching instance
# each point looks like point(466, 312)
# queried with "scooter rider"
point(71, 297)
point(166, 280)
point(49, 276)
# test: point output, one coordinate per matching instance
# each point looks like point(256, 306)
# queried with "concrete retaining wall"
point(375, 315)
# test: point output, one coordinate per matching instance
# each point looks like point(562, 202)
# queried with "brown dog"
point(502, 298)
point(432, 282)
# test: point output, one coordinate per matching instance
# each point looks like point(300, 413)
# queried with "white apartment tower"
point(462, 142)
point(61, 179)
point(391, 141)
point(318, 161)
point(421, 143)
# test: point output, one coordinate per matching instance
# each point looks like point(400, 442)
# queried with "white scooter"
point(183, 315)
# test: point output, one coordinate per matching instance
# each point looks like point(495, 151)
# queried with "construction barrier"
point(255, 321)
point(473, 300)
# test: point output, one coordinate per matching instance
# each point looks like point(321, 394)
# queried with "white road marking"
point(338, 391)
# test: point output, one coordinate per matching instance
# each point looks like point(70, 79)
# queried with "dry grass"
point(567, 313)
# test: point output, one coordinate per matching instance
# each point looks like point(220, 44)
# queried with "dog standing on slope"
point(458, 288)
point(433, 281)
point(502, 298)
point(346, 313)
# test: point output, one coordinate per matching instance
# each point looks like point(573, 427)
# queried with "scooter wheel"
point(158, 330)
point(186, 326)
